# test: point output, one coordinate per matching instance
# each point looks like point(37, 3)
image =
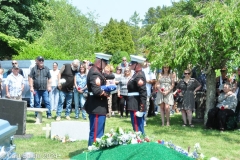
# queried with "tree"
point(22, 19)
point(125, 35)
point(134, 24)
point(69, 32)
point(210, 41)
point(111, 35)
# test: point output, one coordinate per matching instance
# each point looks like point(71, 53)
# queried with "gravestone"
point(73, 129)
point(15, 112)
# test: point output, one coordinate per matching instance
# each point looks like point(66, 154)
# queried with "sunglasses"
point(223, 70)
point(14, 63)
point(124, 60)
point(187, 73)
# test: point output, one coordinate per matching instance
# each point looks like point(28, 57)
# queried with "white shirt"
point(54, 77)
point(14, 84)
point(149, 76)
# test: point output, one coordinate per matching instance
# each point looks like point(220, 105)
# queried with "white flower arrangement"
point(118, 137)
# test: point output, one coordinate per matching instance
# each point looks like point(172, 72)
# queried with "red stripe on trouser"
point(135, 121)
point(95, 128)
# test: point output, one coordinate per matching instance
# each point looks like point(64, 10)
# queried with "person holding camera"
point(187, 88)
point(164, 99)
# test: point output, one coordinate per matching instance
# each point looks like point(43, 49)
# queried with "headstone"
point(47, 129)
point(73, 129)
point(15, 112)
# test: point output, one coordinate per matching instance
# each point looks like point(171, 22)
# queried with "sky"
point(117, 9)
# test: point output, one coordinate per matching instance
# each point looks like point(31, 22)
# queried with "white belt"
point(91, 94)
point(133, 94)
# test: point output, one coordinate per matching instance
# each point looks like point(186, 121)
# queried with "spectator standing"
point(123, 91)
point(110, 79)
point(150, 79)
point(188, 87)
point(80, 83)
point(124, 64)
point(137, 94)
point(97, 104)
point(54, 94)
point(15, 64)
point(14, 84)
point(31, 93)
point(40, 84)
point(116, 98)
point(67, 72)
point(1, 80)
point(164, 98)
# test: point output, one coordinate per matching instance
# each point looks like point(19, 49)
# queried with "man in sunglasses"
point(66, 73)
point(40, 84)
point(15, 64)
point(124, 64)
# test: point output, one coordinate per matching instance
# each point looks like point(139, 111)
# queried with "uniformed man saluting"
point(97, 104)
point(137, 94)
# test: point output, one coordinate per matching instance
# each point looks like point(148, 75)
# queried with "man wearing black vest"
point(66, 74)
point(97, 103)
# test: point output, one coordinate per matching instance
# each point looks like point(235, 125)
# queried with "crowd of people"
point(132, 88)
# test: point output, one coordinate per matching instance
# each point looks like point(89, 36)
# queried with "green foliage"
point(69, 31)
point(33, 50)
point(111, 35)
point(10, 45)
point(125, 35)
point(22, 20)
point(134, 24)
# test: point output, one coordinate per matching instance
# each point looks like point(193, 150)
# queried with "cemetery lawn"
point(224, 146)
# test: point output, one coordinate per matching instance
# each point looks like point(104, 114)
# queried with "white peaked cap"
point(103, 56)
point(137, 59)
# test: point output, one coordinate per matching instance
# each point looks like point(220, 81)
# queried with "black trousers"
point(121, 105)
point(217, 118)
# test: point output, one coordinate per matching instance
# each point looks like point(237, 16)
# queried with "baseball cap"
point(40, 58)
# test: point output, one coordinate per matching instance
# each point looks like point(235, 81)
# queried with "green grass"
point(224, 146)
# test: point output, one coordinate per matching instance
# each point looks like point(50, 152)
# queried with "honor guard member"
point(97, 103)
point(137, 94)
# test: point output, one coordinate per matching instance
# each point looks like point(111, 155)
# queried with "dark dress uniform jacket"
point(137, 84)
point(68, 74)
point(95, 103)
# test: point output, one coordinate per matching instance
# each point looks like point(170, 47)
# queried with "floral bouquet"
point(118, 137)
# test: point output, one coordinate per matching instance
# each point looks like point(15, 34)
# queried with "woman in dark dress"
point(187, 88)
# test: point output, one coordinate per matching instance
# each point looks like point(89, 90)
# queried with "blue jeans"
point(79, 101)
point(31, 100)
point(54, 97)
point(37, 100)
point(62, 97)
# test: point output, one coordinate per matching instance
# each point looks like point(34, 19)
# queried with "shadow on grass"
point(77, 152)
